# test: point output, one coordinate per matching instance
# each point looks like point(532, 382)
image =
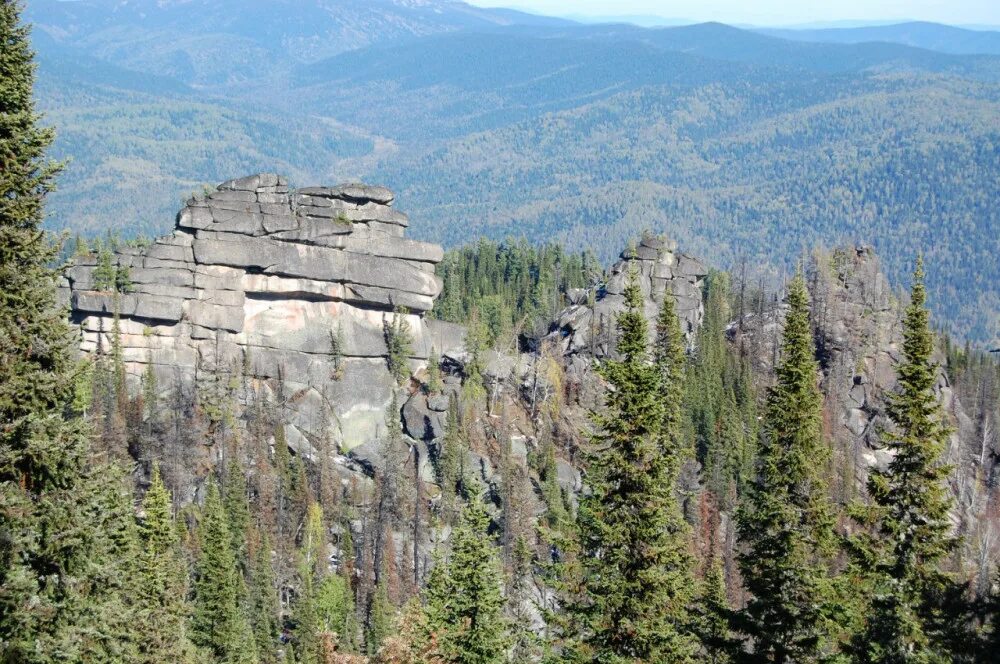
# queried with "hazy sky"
point(772, 12)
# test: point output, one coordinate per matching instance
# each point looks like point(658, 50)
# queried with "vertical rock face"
point(293, 289)
point(587, 325)
point(857, 325)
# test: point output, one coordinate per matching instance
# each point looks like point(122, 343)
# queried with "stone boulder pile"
point(296, 288)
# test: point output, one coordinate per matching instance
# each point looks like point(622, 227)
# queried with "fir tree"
point(162, 612)
point(264, 602)
point(785, 522)
point(636, 585)
point(434, 384)
point(464, 613)
point(399, 344)
point(237, 507)
point(453, 449)
point(381, 619)
point(219, 623)
point(714, 631)
point(104, 272)
point(54, 535)
point(908, 514)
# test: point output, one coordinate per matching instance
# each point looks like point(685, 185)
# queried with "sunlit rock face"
point(264, 282)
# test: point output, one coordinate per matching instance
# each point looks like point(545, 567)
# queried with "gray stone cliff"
point(266, 279)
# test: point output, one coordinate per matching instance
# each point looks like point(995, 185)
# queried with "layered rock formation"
point(295, 289)
point(587, 325)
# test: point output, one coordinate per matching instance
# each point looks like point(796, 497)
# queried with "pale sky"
point(771, 12)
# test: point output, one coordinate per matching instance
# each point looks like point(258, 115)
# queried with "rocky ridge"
point(296, 288)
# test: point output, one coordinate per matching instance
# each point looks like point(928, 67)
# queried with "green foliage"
point(511, 285)
point(264, 602)
point(219, 623)
point(721, 403)
point(909, 532)
point(715, 618)
point(451, 460)
point(161, 608)
point(434, 383)
point(335, 610)
point(637, 568)
point(381, 619)
point(399, 344)
point(104, 273)
point(234, 497)
point(464, 612)
point(785, 522)
point(66, 532)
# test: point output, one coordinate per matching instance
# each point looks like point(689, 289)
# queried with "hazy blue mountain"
point(932, 36)
point(227, 41)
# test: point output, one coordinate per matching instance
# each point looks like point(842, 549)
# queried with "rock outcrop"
point(587, 325)
point(292, 288)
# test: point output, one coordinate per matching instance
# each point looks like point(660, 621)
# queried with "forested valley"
point(652, 462)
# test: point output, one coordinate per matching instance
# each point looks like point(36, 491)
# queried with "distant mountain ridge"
point(210, 42)
point(920, 34)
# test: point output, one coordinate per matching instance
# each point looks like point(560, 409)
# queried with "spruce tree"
point(381, 618)
point(637, 582)
point(54, 535)
point(465, 606)
point(220, 623)
point(161, 586)
point(265, 604)
point(910, 535)
point(785, 522)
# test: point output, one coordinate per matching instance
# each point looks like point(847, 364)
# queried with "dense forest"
point(270, 560)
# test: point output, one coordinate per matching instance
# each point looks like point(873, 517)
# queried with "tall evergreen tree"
point(633, 537)
point(265, 605)
point(161, 586)
point(53, 527)
point(910, 530)
point(220, 623)
point(785, 522)
point(465, 606)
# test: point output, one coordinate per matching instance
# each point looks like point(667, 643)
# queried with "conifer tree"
point(53, 532)
point(465, 618)
point(381, 618)
point(714, 631)
point(311, 569)
point(264, 602)
point(785, 522)
point(453, 449)
point(219, 624)
point(237, 507)
point(636, 585)
point(434, 384)
point(908, 514)
point(104, 272)
point(162, 612)
point(399, 344)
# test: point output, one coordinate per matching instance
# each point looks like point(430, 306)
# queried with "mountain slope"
point(209, 42)
point(932, 36)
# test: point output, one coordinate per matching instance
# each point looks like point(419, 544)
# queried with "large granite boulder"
point(295, 288)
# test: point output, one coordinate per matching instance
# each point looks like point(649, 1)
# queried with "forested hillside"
point(247, 442)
